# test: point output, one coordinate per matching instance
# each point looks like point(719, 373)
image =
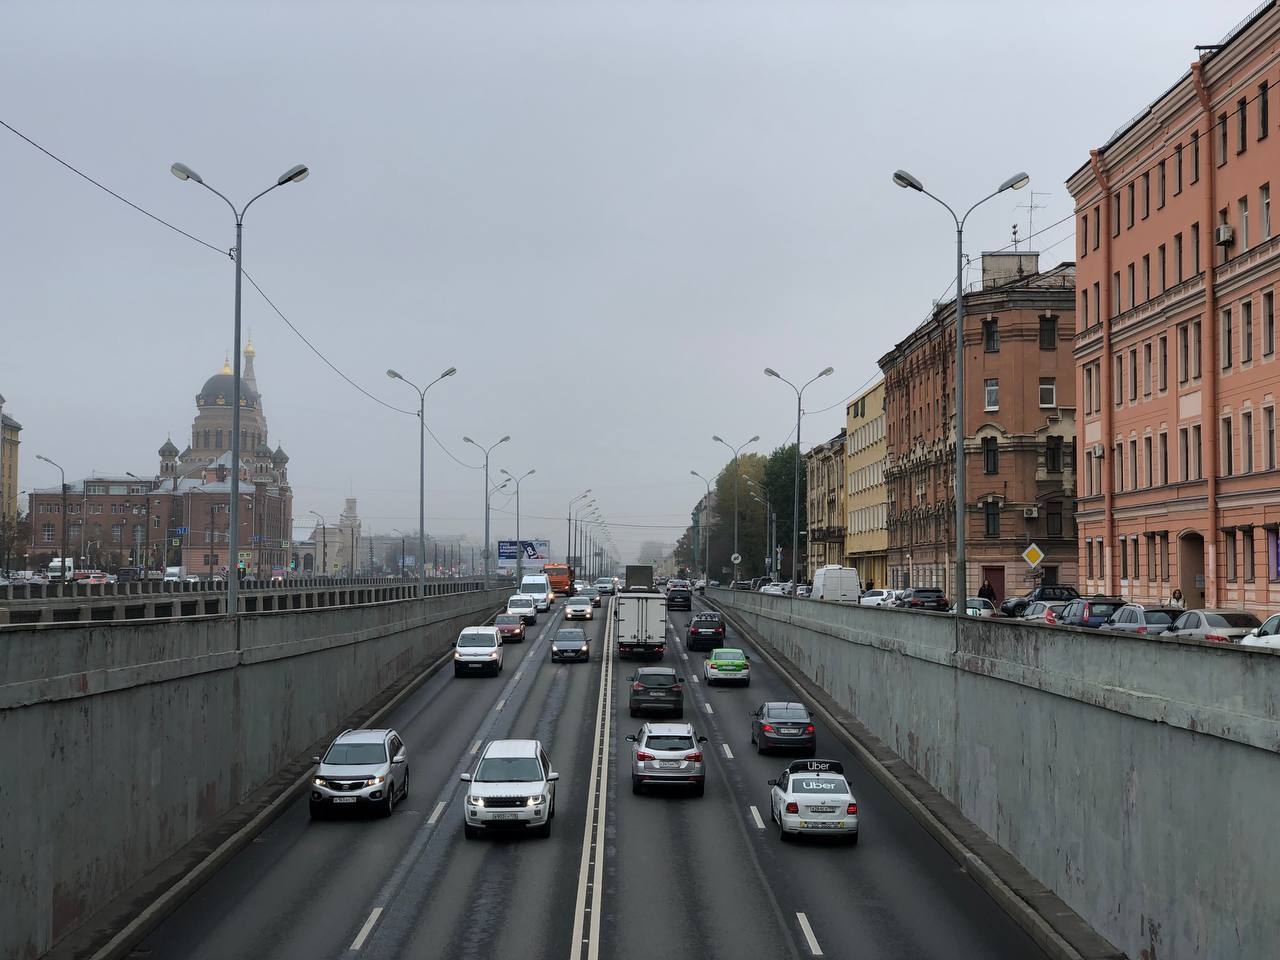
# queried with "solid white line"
point(727, 752)
point(501, 703)
point(435, 814)
point(475, 746)
point(808, 935)
point(358, 942)
point(755, 815)
point(707, 707)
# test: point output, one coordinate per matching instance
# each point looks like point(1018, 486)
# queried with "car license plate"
point(727, 669)
point(657, 693)
point(344, 799)
point(788, 729)
point(706, 633)
point(475, 664)
point(821, 824)
point(669, 764)
point(504, 816)
point(822, 809)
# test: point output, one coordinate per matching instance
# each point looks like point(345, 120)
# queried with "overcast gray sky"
point(610, 216)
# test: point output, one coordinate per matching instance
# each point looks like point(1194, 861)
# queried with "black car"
point(705, 629)
point(779, 724)
point(924, 598)
point(1015, 606)
point(1089, 611)
point(657, 688)
point(570, 643)
point(679, 598)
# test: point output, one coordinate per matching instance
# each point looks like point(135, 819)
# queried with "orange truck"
point(560, 576)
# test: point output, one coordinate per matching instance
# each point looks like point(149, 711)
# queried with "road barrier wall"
point(1137, 778)
point(121, 742)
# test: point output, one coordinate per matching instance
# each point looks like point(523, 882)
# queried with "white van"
point(837, 584)
point(538, 587)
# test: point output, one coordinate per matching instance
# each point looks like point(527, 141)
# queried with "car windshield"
point(819, 785)
point(501, 769)
point(657, 679)
point(579, 601)
point(1231, 620)
point(787, 713)
point(604, 581)
point(669, 741)
point(1162, 617)
point(506, 620)
point(349, 753)
point(707, 619)
point(726, 655)
point(590, 592)
point(1103, 609)
point(522, 602)
point(571, 634)
point(476, 640)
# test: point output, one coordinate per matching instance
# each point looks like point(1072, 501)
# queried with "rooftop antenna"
point(1015, 237)
point(1031, 207)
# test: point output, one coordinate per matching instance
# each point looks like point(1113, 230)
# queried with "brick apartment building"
point(1178, 268)
point(866, 539)
point(824, 484)
point(1019, 426)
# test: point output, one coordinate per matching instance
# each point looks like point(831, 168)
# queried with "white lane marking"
point(501, 703)
point(694, 677)
point(707, 707)
point(358, 942)
point(435, 814)
point(519, 675)
point(755, 815)
point(808, 935)
point(727, 752)
point(683, 655)
point(475, 747)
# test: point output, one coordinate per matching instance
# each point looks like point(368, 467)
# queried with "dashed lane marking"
point(501, 703)
point(807, 930)
point(435, 814)
point(755, 815)
point(475, 747)
point(727, 752)
point(363, 935)
point(707, 707)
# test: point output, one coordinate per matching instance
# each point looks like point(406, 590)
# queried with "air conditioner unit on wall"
point(1099, 451)
point(1031, 512)
point(1223, 235)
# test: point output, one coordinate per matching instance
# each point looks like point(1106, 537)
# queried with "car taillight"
point(677, 688)
point(809, 728)
point(637, 686)
point(720, 631)
point(645, 755)
point(793, 807)
point(696, 756)
point(1085, 613)
point(767, 728)
point(1217, 638)
point(1141, 630)
point(1049, 617)
point(851, 810)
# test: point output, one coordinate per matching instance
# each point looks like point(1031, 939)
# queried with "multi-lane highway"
point(622, 876)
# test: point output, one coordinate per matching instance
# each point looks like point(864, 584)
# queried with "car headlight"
point(374, 781)
point(475, 801)
point(320, 782)
point(532, 801)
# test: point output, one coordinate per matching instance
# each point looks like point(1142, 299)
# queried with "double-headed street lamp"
point(422, 473)
point(63, 474)
point(568, 536)
point(488, 552)
point(294, 174)
point(1016, 182)
point(706, 531)
point(795, 506)
point(736, 474)
point(324, 543)
point(577, 538)
point(519, 544)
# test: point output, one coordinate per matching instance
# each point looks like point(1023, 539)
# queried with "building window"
point(46, 532)
point(991, 391)
point(1177, 170)
point(1133, 374)
point(1269, 436)
point(1048, 392)
point(1115, 293)
point(1246, 441)
point(1229, 552)
point(1088, 390)
point(1195, 249)
point(1242, 207)
point(1097, 225)
point(1160, 186)
point(1184, 454)
point(1089, 489)
point(1246, 545)
point(1268, 323)
point(1148, 468)
point(1053, 454)
point(1088, 559)
point(1133, 464)
point(1133, 542)
point(117, 533)
point(1195, 156)
point(1117, 386)
point(1048, 333)
point(1117, 469)
point(1226, 338)
point(1132, 286)
point(1242, 124)
point(1130, 203)
point(1146, 277)
point(1146, 195)
point(1246, 331)
point(1264, 208)
point(1177, 256)
point(206, 439)
point(1222, 139)
point(1084, 236)
point(1197, 452)
point(1262, 110)
point(1164, 458)
point(1151, 557)
point(1146, 369)
point(991, 515)
point(1115, 214)
point(1053, 519)
point(991, 335)
point(1084, 308)
point(1164, 363)
point(1097, 302)
point(1123, 550)
point(990, 455)
point(1162, 265)
point(1195, 349)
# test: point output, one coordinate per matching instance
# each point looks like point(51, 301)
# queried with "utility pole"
point(212, 540)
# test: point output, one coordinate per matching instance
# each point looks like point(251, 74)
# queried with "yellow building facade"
point(866, 541)
point(9, 430)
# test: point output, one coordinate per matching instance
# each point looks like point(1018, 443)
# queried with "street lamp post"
point(401, 532)
point(736, 474)
point(324, 544)
point(583, 511)
point(907, 181)
point(422, 474)
point(294, 174)
point(63, 474)
point(488, 551)
point(568, 537)
point(519, 544)
point(795, 505)
point(706, 532)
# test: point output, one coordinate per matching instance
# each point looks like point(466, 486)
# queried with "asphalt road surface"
point(622, 876)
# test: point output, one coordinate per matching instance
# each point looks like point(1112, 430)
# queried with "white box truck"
point(640, 624)
point(837, 584)
point(61, 568)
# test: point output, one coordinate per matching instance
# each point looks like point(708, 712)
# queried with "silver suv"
point(667, 753)
point(513, 786)
point(361, 769)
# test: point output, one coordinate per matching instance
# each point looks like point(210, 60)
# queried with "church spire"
point(250, 380)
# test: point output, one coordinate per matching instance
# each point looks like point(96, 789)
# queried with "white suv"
point(513, 786)
point(361, 769)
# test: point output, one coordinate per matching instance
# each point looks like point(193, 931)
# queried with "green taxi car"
point(727, 665)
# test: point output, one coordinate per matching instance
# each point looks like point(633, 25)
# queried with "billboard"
point(536, 553)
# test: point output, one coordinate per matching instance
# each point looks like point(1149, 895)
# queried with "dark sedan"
point(592, 594)
point(570, 643)
point(783, 725)
point(657, 688)
point(924, 598)
point(705, 630)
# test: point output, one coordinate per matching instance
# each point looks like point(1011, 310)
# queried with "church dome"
point(220, 388)
point(280, 456)
point(168, 450)
point(263, 452)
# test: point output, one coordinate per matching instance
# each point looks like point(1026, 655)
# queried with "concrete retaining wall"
point(1136, 778)
point(121, 742)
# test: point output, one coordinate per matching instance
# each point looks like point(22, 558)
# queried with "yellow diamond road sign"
point(1033, 555)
